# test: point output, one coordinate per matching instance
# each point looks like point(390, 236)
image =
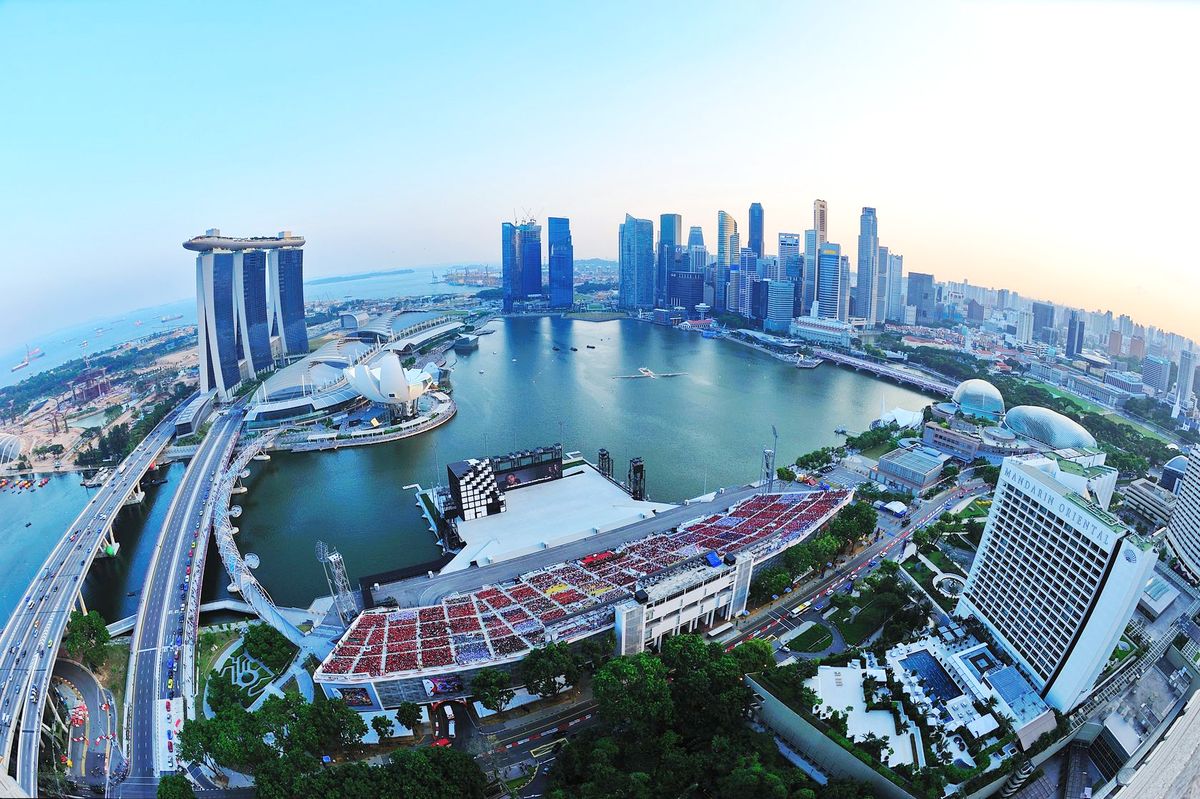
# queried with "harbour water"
point(703, 429)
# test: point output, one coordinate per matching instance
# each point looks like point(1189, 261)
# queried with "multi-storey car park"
point(665, 583)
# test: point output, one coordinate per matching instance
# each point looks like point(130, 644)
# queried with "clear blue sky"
point(1047, 147)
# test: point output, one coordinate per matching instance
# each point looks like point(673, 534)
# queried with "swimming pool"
point(937, 682)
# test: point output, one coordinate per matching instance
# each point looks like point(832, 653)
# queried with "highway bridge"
point(164, 634)
point(927, 383)
point(30, 641)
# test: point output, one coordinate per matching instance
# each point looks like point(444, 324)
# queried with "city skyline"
point(1004, 171)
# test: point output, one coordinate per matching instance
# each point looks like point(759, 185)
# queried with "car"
point(442, 742)
point(874, 562)
point(178, 640)
point(170, 737)
point(170, 746)
point(193, 545)
point(168, 705)
point(170, 683)
point(829, 590)
point(188, 570)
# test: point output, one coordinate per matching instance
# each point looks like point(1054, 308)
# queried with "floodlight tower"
point(339, 584)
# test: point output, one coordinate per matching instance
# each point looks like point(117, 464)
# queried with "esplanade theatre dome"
point(1047, 427)
point(979, 398)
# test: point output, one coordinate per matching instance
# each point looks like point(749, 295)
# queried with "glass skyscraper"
point(562, 262)
point(695, 237)
point(727, 248)
point(866, 298)
point(285, 281)
point(829, 280)
point(254, 332)
point(520, 261)
point(636, 270)
point(809, 293)
point(756, 229)
point(670, 235)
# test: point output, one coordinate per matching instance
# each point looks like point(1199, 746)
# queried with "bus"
point(803, 606)
point(720, 629)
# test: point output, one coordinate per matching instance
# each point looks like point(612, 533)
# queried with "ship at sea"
point(30, 354)
point(171, 318)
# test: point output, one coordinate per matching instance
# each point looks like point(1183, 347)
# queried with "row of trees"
point(673, 725)
point(545, 671)
point(120, 440)
point(851, 525)
point(86, 637)
point(268, 646)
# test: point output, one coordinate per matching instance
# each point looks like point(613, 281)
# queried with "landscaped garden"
point(815, 639)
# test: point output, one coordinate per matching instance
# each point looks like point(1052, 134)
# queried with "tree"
point(175, 786)
point(632, 692)
point(493, 689)
point(86, 636)
point(409, 715)
point(269, 646)
point(754, 655)
point(383, 726)
point(547, 670)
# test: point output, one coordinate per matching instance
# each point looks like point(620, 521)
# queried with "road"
point(158, 634)
point(32, 636)
point(91, 754)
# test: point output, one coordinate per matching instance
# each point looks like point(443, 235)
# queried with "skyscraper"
point(521, 261)
point(1116, 342)
point(809, 293)
point(561, 254)
point(1024, 327)
point(1057, 576)
point(790, 260)
point(821, 221)
point(727, 247)
point(1074, 334)
point(685, 290)
point(1183, 531)
point(248, 290)
point(636, 247)
point(670, 234)
point(780, 306)
point(866, 294)
point(829, 280)
point(1156, 373)
point(895, 287)
point(695, 237)
point(1043, 322)
point(923, 296)
point(1183, 384)
point(756, 228)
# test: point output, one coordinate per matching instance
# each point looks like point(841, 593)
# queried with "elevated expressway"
point(911, 377)
point(30, 640)
point(165, 630)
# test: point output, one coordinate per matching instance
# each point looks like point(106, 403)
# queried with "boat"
point(133, 593)
point(480, 371)
point(556, 349)
point(487, 331)
point(574, 349)
point(841, 431)
point(20, 366)
point(171, 318)
point(36, 352)
point(28, 524)
point(804, 362)
point(591, 346)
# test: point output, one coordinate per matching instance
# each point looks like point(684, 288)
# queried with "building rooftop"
point(213, 240)
point(920, 459)
point(1016, 692)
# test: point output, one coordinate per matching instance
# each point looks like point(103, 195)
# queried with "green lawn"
point(814, 639)
point(112, 673)
point(878, 451)
point(868, 619)
point(921, 573)
point(1091, 407)
point(209, 646)
point(943, 562)
point(976, 510)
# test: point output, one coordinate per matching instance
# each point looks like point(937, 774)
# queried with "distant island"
point(360, 276)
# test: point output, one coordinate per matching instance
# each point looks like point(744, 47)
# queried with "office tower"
point(790, 259)
point(1024, 327)
point(1183, 531)
point(254, 331)
point(1074, 334)
point(695, 237)
point(1043, 322)
point(727, 248)
point(1116, 342)
point(756, 228)
point(1156, 373)
point(895, 287)
point(636, 240)
point(747, 264)
point(1137, 347)
point(781, 307)
point(685, 289)
point(866, 293)
point(732, 291)
point(845, 290)
point(247, 290)
point(697, 258)
point(809, 294)
point(829, 280)
point(521, 261)
point(821, 221)
point(670, 234)
point(923, 296)
point(881, 285)
point(561, 253)
point(1183, 384)
point(1056, 577)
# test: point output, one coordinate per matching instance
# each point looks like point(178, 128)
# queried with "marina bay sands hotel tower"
point(249, 305)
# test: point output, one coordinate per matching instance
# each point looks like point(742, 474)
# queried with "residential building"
point(670, 234)
point(1057, 577)
point(636, 264)
point(756, 228)
point(1116, 343)
point(1137, 347)
point(562, 262)
point(1183, 533)
point(866, 293)
point(1024, 327)
point(1183, 385)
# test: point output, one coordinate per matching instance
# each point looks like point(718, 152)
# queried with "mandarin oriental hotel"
point(1057, 576)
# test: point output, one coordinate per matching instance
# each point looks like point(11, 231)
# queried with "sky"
point(1050, 148)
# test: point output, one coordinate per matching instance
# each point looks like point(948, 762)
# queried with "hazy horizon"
point(1046, 148)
